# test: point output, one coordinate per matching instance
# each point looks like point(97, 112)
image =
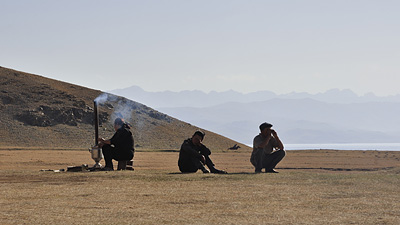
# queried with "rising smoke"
point(122, 108)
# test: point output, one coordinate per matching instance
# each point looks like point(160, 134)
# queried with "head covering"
point(265, 125)
point(200, 133)
point(121, 122)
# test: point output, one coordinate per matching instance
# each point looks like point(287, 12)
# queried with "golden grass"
point(155, 193)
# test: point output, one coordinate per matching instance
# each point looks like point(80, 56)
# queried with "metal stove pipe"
point(95, 151)
point(96, 124)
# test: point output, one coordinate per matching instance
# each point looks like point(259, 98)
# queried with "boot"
point(214, 170)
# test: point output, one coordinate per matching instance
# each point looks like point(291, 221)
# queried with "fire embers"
point(45, 116)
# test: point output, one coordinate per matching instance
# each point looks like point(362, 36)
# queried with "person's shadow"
point(236, 173)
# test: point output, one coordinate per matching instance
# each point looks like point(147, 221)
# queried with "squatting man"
point(267, 150)
point(119, 147)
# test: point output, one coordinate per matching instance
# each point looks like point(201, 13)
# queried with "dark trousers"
point(270, 161)
point(110, 153)
point(191, 165)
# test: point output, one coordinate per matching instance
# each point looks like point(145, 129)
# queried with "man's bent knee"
point(281, 153)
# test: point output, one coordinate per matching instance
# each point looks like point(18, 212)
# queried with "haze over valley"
point(335, 116)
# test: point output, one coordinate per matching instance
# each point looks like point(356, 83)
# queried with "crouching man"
point(264, 155)
point(193, 155)
point(119, 147)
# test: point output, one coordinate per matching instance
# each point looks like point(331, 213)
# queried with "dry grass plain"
point(313, 187)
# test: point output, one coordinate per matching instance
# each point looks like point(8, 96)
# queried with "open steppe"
point(313, 187)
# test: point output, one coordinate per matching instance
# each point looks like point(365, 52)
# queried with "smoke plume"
point(121, 107)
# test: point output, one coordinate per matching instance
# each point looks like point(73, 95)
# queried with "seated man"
point(193, 155)
point(119, 147)
point(263, 155)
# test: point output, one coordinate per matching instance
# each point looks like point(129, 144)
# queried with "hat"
point(119, 121)
point(200, 133)
point(265, 125)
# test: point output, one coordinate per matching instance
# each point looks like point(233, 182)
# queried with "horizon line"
point(251, 92)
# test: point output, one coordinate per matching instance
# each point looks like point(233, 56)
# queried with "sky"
point(248, 45)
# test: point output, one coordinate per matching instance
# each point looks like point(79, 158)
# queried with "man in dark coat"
point(119, 147)
point(193, 155)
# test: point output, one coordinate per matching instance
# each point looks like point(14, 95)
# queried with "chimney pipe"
point(95, 151)
point(96, 124)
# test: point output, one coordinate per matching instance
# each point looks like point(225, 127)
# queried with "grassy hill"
point(38, 112)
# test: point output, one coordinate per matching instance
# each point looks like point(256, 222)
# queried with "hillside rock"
point(45, 116)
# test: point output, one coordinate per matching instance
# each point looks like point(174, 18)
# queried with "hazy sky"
point(247, 45)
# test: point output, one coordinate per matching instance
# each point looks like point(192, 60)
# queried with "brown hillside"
point(38, 112)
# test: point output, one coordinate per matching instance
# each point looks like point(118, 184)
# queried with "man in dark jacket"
point(194, 155)
point(119, 147)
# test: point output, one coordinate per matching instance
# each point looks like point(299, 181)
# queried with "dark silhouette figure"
point(119, 147)
point(193, 155)
point(235, 147)
point(267, 150)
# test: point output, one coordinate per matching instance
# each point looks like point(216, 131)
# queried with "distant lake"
point(347, 146)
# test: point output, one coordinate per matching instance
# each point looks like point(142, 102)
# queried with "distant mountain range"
point(336, 116)
point(201, 99)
